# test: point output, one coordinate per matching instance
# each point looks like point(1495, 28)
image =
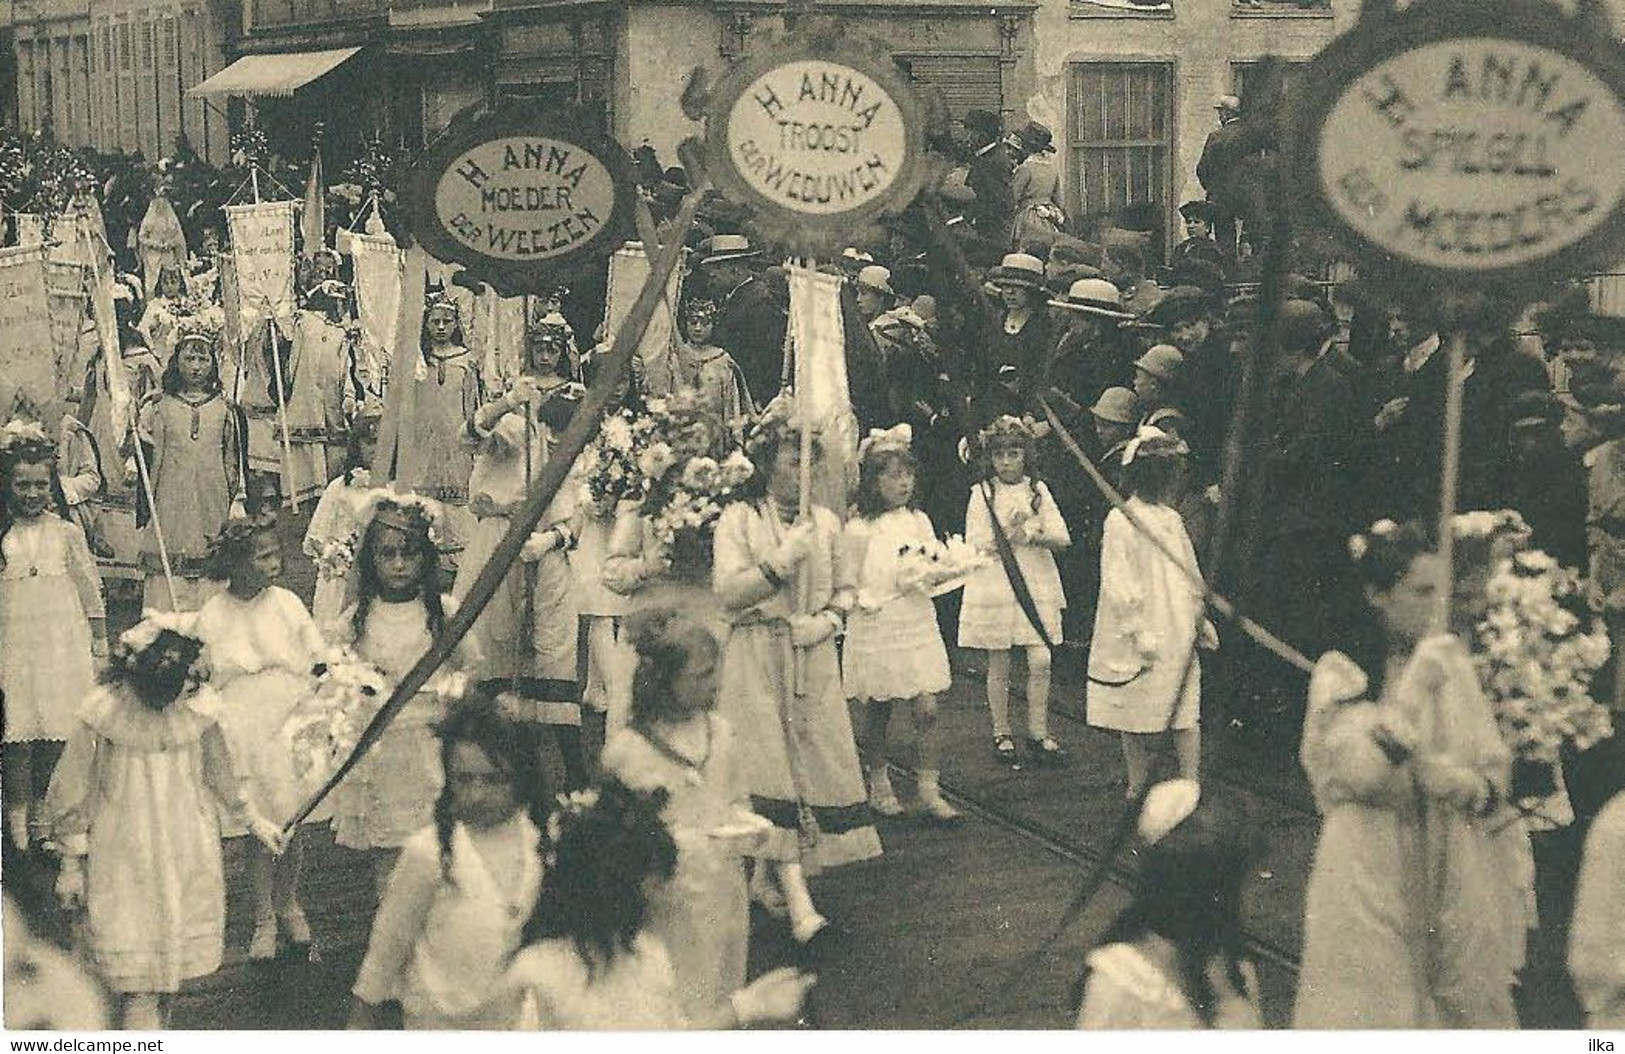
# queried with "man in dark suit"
point(752, 320)
point(991, 168)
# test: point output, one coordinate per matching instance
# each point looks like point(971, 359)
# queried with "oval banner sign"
point(817, 135)
point(1469, 144)
point(520, 200)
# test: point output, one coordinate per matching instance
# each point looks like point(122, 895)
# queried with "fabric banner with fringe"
point(378, 266)
point(262, 249)
point(822, 394)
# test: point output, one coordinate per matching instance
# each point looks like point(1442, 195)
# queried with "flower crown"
point(1360, 544)
point(238, 532)
point(1011, 430)
point(881, 440)
point(411, 513)
point(572, 807)
point(28, 439)
point(1153, 442)
point(700, 308)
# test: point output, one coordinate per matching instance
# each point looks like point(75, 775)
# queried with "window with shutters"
point(967, 82)
point(124, 47)
point(171, 43)
point(148, 32)
point(1121, 141)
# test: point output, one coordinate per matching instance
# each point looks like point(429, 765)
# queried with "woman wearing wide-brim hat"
point(1021, 346)
point(1036, 188)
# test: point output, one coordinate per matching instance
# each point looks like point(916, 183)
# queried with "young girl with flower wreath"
point(591, 961)
point(450, 920)
point(894, 650)
point(330, 538)
point(52, 621)
point(527, 634)
point(991, 618)
point(390, 794)
point(677, 742)
point(196, 444)
point(136, 806)
point(262, 645)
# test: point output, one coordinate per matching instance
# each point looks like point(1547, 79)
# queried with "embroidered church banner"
point(819, 346)
point(262, 248)
point(378, 265)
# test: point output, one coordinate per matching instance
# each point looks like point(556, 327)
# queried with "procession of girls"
point(631, 898)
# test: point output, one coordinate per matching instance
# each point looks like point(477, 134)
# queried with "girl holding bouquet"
point(390, 794)
point(262, 646)
point(332, 532)
point(894, 650)
point(1416, 753)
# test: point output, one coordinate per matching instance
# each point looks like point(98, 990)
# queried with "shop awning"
point(279, 75)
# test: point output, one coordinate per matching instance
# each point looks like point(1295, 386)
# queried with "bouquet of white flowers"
point(684, 510)
point(1538, 649)
point(935, 568)
point(327, 725)
point(335, 557)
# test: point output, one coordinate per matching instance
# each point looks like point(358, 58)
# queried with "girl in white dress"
point(391, 793)
point(450, 920)
point(263, 646)
point(1173, 960)
point(1144, 677)
point(591, 962)
point(991, 618)
point(52, 622)
point(134, 809)
point(894, 650)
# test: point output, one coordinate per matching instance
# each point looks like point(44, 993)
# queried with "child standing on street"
point(992, 618)
point(262, 646)
point(390, 794)
point(332, 526)
point(52, 623)
point(894, 650)
point(134, 808)
point(450, 919)
point(1144, 677)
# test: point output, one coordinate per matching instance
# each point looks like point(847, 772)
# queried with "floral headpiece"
point(235, 534)
point(27, 439)
point(1153, 442)
point(700, 309)
point(1360, 544)
point(880, 440)
point(1011, 431)
point(199, 327)
point(411, 513)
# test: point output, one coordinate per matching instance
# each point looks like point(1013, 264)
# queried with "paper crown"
point(700, 307)
point(440, 300)
point(198, 328)
point(26, 438)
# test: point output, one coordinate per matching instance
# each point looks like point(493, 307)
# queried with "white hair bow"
point(1167, 806)
point(898, 437)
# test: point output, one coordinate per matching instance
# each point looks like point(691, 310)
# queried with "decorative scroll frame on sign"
point(1467, 145)
point(817, 135)
point(522, 196)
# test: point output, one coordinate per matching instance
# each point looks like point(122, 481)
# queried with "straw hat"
point(1094, 296)
point(1019, 269)
point(724, 247)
